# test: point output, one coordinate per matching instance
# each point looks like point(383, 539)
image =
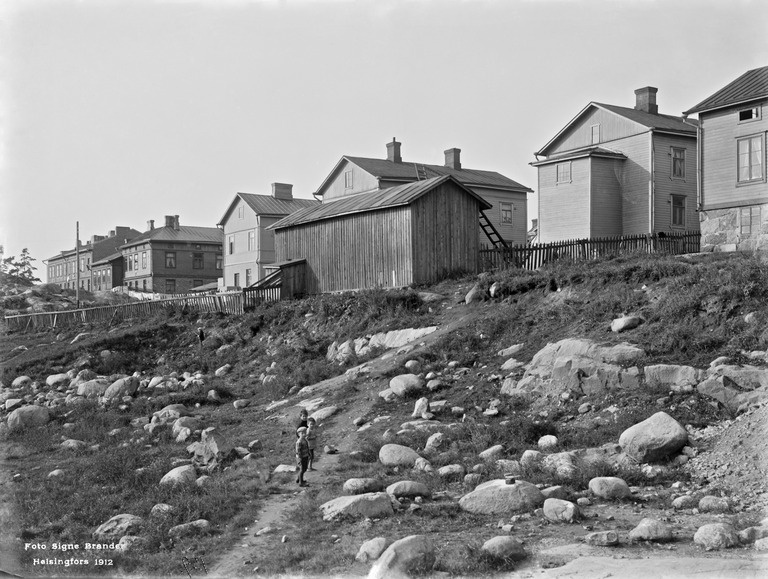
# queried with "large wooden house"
point(618, 171)
point(248, 245)
point(508, 213)
point(733, 190)
point(411, 233)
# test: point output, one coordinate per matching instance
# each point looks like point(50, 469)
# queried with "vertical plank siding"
point(531, 257)
point(228, 303)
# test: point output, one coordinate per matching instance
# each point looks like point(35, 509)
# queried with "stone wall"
point(721, 230)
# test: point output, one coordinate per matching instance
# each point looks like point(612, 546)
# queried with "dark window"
point(678, 163)
point(170, 260)
point(143, 260)
point(678, 210)
point(506, 212)
point(170, 286)
point(749, 220)
point(564, 172)
point(749, 114)
point(197, 261)
point(219, 259)
point(231, 244)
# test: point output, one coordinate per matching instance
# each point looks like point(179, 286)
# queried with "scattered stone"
point(412, 555)
point(372, 549)
point(122, 387)
point(435, 442)
point(684, 502)
point(560, 511)
point(712, 504)
point(716, 536)
point(359, 486)
point(408, 489)
point(654, 438)
point(371, 505)
point(761, 545)
point(117, 527)
point(555, 492)
point(472, 479)
point(161, 511)
point(405, 384)
point(413, 366)
point(496, 496)
point(72, 444)
point(505, 547)
point(223, 370)
point(651, 530)
point(241, 403)
point(198, 527)
point(750, 534)
point(55, 380)
point(420, 407)
point(28, 417)
point(180, 475)
point(511, 351)
point(625, 323)
point(602, 538)
point(128, 543)
point(56, 473)
point(547, 442)
point(397, 455)
point(531, 458)
point(21, 382)
point(434, 385)
point(583, 502)
point(492, 453)
point(451, 471)
point(609, 487)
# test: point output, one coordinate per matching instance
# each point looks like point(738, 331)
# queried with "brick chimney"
point(169, 220)
point(176, 222)
point(393, 152)
point(453, 158)
point(150, 225)
point(645, 100)
point(112, 231)
point(282, 191)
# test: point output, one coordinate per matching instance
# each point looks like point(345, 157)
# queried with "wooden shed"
point(413, 233)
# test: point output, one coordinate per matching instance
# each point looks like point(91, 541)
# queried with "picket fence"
point(533, 256)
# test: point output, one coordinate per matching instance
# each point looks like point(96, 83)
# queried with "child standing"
point(302, 424)
point(311, 439)
point(302, 454)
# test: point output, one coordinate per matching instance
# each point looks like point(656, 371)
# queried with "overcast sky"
point(114, 113)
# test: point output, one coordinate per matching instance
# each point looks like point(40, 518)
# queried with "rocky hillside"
point(517, 421)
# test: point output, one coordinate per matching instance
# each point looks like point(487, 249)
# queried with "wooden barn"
point(413, 233)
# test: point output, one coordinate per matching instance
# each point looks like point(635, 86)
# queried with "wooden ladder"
point(421, 173)
point(490, 231)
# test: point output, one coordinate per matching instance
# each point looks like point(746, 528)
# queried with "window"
point(252, 240)
point(678, 210)
point(247, 278)
point(240, 212)
point(750, 159)
point(197, 261)
point(219, 259)
point(564, 172)
point(231, 244)
point(678, 163)
point(237, 280)
point(129, 263)
point(136, 262)
point(197, 283)
point(170, 260)
point(595, 134)
point(144, 284)
point(749, 220)
point(752, 114)
point(348, 179)
point(506, 212)
point(143, 260)
point(170, 286)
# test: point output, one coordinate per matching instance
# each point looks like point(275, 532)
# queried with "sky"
point(116, 112)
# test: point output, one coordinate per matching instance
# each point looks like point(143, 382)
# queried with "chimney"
point(453, 158)
point(150, 225)
point(176, 222)
point(112, 231)
point(645, 100)
point(393, 152)
point(169, 221)
point(282, 191)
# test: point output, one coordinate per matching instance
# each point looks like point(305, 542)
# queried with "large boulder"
point(654, 438)
point(117, 527)
point(122, 387)
point(398, 455)
point(172, 411)
point(675, 377)
point(358, 486)
point(28, 417)
point(496, 496)
point(560, 511)
point(609, 487)
point(213, 451)
point(184, 474)
point(372, 549)
point(21, 382)
point(198, 527)
point(408, 489)
point(93, 388)
point(413, 555)
point(651, 530)
point(55, 380)
point(369, 505)
point(504, 547)
point(405, 384)
point(716, 536)
point(191, 422)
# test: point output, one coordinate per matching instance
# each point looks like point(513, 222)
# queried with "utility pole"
point(77, 263)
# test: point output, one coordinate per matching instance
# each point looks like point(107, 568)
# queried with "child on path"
point(302, 423)
point(311, 439)
point(302, 454)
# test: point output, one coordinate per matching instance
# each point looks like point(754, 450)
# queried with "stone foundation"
point(721, 231)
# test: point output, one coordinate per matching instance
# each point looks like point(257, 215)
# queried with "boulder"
point(654, 438)
point(712, 504)
point(625, 323)
point(213, 450)
point(21, 382)
point(511, 364)
point(172, 411)
point(672, 376)
point(561, 464)
point(198, 527)
point(684, 502)
point(475, 295)
point(28, 417)
point(555, 492)
point(716, 536)
point(122, 387)
point(435, 442)
point(190, 422)
point(405, 384)
point(413, 366)
point(324, 413)
point(55, 380)
point(609, 487)
point(117, 527)
point(531, 459)
point(761, 545)
point(180, 475)
point(412, 555)
point(547, 442)
point(161, 511)
point(602, 538)
point(560, 511)
point(408, 489)
point(72, 444)
point(492, 453)
point(358, 486)
point(651, 530)
point(746, 536)
point(451, 471)
point(372, 549)
point(504, 547)
point(420, 407)
point(222, 370)
point(93, 388)
point(12, 404)
point(496, 496)
point(511, 351)
point(371, 505)
point(397, 455)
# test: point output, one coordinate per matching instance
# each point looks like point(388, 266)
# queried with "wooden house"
point(174, 258)
point(99, 270)
point(618, 171)
point(733, 191)
point(411, 233)
point(508, 199)
point(248, 245)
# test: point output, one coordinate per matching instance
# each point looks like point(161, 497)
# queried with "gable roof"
point(654, 122)
point(103, 247)
point(408, 172)
point(591, 151)
point(374, 201)
point(751, 85)
point(184, 234)
point(268, 205)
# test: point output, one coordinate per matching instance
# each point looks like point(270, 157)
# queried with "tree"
point(20, 268)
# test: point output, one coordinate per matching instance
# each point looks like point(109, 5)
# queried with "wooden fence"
point(534, 256)
point(229, 303)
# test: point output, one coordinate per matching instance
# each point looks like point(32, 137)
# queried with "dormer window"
point(752, 114)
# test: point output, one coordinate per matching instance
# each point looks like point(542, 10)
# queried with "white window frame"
point(755, 116)
point(564, 164)
point(251, 240)
point(760, 137)
point(672, 199)
point(672, 151)
point(505, 207)
point(592, 138)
